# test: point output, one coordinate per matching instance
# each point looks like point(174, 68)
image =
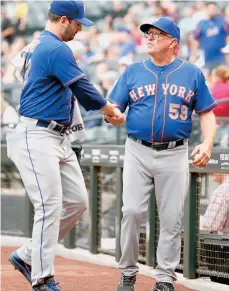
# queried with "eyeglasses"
point(155, 35)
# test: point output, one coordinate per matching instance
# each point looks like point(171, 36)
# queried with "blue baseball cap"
point(71, 9)
point(165, 24)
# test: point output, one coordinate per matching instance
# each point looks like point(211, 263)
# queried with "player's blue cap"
point(165, 24)
point(71, 9)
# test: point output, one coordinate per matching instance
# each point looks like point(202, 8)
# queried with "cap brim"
point(146, 27)
point(85, 21)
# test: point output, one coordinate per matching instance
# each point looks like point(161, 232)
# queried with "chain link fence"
point(213, 226)
point(107, 210)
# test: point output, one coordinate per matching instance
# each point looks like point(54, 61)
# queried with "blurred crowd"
point(104, 50)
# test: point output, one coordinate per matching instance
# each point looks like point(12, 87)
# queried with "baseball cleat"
point(126, 283)
point(164, 286)
point(49, 285)
point(21, 266)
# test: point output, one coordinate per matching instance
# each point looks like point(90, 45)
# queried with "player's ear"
point(173, 43)
point(64, 20)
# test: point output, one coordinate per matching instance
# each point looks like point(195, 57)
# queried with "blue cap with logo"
point(165, 24)
point(71, 9)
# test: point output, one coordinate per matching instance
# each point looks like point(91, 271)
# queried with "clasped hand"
point(113, 115)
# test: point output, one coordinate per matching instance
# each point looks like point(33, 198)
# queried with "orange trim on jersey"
point(74, 79)
point(155, 99)
point(165, 95)
point(115, 103)
point(199, 111)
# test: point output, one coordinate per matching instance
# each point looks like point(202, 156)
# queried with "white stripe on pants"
point(55, 185)
point(169, 170)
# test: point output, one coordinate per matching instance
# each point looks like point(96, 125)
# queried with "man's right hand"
point(115, 120)
point(110, 110)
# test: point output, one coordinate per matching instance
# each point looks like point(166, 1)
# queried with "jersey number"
point(28, 62)
point(178, 111)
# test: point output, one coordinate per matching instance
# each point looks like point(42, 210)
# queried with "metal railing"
point(203, 253)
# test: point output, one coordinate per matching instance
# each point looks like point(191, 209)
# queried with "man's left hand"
point(202, 154)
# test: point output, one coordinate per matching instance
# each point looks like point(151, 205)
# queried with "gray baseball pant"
point(169, 169)
point(54, 182)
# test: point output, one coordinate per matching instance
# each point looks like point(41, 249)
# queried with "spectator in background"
point(9, 70)
point(226, 14)
point(127, 43)
point(220, 91)
point(108, 80)
point(169, 9)
point(211, 35)
point(187, 23)
point(100, 69)
point(5, 50)
point(79, 51)
point(200, 12)
point(225, 51)
point(7, 28)
point(124, 62)
point(21, 15)
point(216, 217)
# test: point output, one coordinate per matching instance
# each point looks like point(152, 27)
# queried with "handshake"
point(112, 115)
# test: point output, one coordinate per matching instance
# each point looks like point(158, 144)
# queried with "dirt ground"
point(73, 276)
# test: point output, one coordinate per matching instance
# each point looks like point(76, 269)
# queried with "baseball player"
point(161, 94)
point(39, 146)
point(211, 35)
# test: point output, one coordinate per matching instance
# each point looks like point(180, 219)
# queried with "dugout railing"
point(203, 253)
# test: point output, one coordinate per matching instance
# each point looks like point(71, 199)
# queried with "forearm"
point(208, 127)
point(91, 99)
point(194, 47)
point(87, 95)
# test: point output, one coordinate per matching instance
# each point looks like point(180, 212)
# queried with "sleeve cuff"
point(120, 107)
point(206, 109)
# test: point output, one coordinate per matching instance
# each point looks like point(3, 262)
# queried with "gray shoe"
point(164, 286)
point(126, 283)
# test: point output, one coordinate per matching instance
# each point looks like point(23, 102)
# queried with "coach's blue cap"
point(165, 24)
point(71, 9)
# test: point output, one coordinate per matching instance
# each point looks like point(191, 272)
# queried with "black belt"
point(159, 146)
point(58, 127)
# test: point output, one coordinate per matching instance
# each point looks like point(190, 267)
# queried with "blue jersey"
point(212, 33)
point(161, 100)
point(49, 71)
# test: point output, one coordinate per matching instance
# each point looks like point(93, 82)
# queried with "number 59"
point(178, 110)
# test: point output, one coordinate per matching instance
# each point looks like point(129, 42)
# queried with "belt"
point(58, 127)
point(158, 146)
